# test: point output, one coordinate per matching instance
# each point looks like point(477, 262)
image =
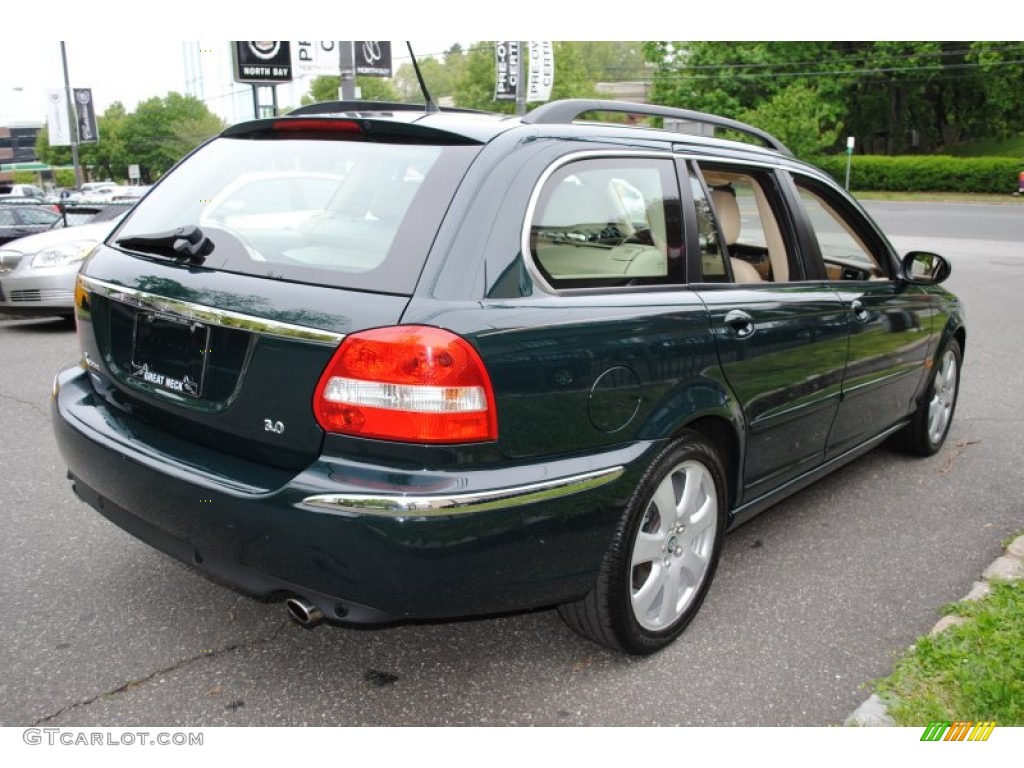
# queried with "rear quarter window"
point(608, 222)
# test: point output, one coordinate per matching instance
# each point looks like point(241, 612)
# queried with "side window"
point(749, 225)
point(607, 222)
point(844, 251)
point(34, 216)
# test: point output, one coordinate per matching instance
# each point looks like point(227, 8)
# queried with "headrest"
point(728, 212)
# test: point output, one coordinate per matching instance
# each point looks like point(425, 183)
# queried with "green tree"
point(727, 78)
point(800, 119)
point(107, 157)
point(49, 154)
point(895, 96)
point(436, 75)
point(475, 86)
point(612, 61)
point(163, 130)
point(325, 88)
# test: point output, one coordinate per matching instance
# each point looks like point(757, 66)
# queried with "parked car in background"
point(393, 363)
point(21, 190)
point(83, 212)
point(132, 192)
point(21, 218)
point(37, 273)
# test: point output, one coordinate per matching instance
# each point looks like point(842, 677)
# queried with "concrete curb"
point(1008, 567)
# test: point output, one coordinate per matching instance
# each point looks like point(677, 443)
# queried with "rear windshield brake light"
point(308, 125)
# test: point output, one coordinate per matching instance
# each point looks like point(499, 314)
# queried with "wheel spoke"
point(691, 492)
point(649, 548)
point(673, 592)
point(667, 504)
point(703, 519)
point(697, 554)
point(647, 596)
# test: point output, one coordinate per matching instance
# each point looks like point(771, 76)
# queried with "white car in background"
point(37, 273)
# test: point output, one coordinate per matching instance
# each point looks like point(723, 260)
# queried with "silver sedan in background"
point(37, 273)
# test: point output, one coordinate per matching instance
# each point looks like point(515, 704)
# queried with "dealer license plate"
point(170, 353)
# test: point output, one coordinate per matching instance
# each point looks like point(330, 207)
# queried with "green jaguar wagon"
point(388, 363)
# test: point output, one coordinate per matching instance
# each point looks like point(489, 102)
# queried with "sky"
point(127, 51)
point(128, 70)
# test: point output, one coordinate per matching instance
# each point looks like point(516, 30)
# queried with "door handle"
point(740, 323)
point(858, 310)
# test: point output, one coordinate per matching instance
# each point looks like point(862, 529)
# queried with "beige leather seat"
point(728, 212)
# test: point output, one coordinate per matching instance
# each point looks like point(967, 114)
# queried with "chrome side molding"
point(395, 505)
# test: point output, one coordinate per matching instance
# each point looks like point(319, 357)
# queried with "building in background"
point(17, 147)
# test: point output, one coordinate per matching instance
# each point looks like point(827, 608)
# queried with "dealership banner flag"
point(58, 126)
point(506, 85)
point(542, 71)
point(373, 58)
point(262, 61)
point(85, 110)
point(317, 57)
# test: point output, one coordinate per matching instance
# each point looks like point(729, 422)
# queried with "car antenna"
point(431, 104)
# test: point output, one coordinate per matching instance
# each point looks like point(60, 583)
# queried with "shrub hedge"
point(64, 177)
point(926, 173)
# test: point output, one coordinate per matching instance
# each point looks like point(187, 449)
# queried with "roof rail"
point(568, 110)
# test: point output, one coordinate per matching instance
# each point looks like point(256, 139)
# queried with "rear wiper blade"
point(187, 243)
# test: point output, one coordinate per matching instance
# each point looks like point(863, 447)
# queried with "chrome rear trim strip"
point(207, 314)
point(464, 503)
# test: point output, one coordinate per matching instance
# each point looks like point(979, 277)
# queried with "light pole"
point(72, 118)
point(849, 159)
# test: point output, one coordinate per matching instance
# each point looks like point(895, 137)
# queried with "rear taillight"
point(410, 383)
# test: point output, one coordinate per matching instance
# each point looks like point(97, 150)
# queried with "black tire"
point(640, 609)
point(930, 424)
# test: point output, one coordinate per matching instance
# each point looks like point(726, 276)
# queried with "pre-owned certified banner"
point(316, 57)
point(542, 71)
point(373, 58)
point(506, 56)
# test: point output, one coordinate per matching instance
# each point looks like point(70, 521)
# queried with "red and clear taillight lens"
point(409, 383)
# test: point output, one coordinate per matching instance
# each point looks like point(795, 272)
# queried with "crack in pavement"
point(29, 403)
point(167, 670)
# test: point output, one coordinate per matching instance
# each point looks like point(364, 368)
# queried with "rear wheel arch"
point(662, 558)
point(723, 435)
point(960, 334)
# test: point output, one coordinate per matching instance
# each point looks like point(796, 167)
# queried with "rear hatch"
point(212, 311)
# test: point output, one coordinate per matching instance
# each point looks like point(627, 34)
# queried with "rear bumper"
point(366, 544)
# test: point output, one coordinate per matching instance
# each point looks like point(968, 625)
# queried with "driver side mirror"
point(924, 268)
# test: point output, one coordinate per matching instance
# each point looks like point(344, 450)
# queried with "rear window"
point(350, 213)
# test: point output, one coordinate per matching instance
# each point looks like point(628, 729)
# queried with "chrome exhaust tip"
point(304, 612)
